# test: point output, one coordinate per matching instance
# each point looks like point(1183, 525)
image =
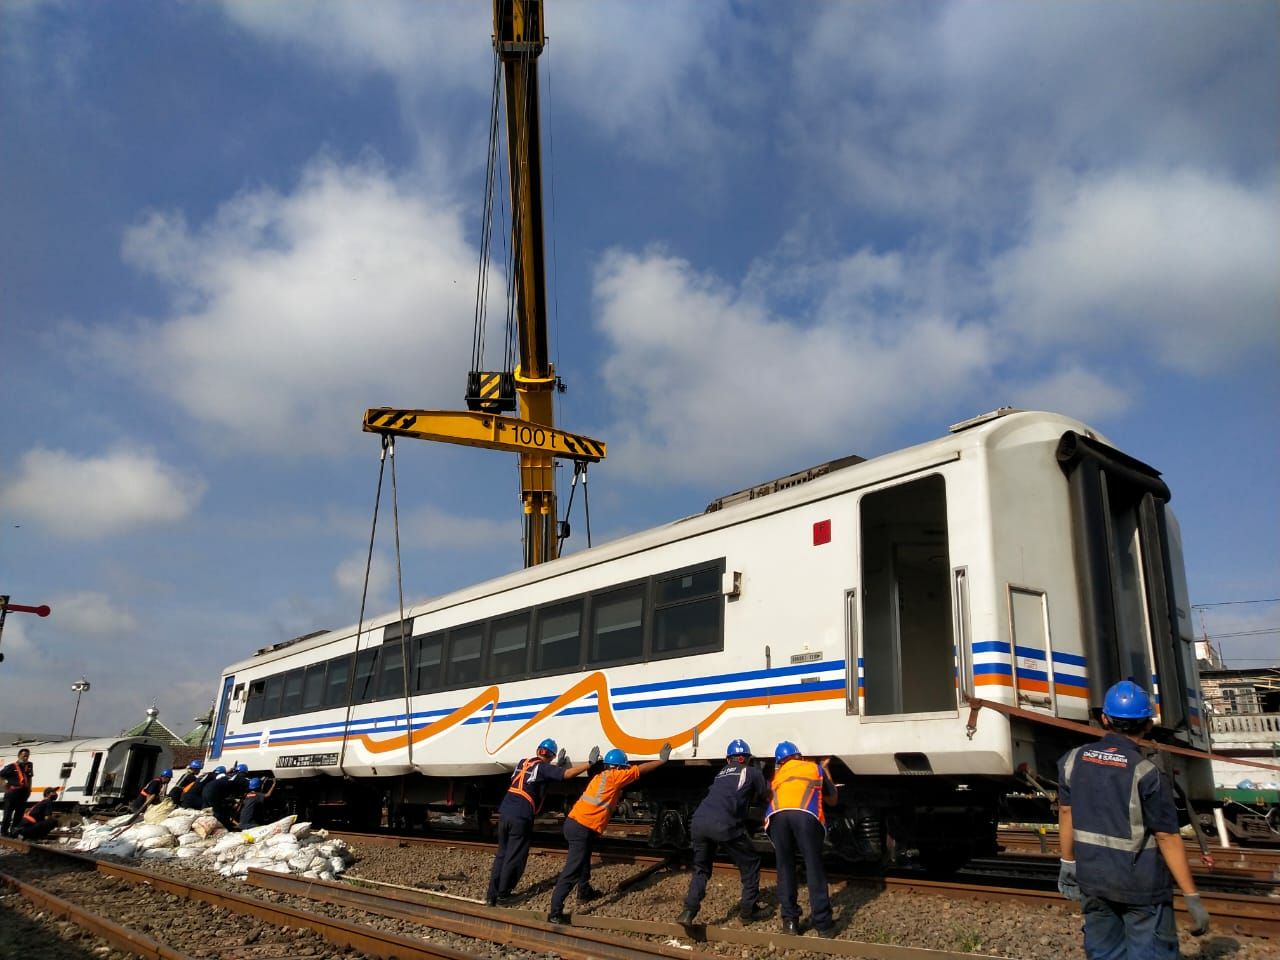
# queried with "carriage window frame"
point(420, 641)
point(499, 625)
point(369, 655)
point(291, 702)
point(270, 701)
point(643, 587)
point(337, 690)
point(456, 634)
point(313, 670)
point(540, 616)
point(254, 700)
point(713, 596)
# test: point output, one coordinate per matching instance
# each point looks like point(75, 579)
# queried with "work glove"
point(665, 753)
point(562, 759)
point(1199, 915)
point(594, 756)
point(1067, 885)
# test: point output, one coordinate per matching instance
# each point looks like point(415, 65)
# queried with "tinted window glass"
point(464, 655)
point(687, 610)
point(559, 636)
point(271, 698)
point(292, 702)
point(253, 706)
point(510, 647)
point(618, 626)
point(427, 652)
point(391, 671)
point(313, 687)
point(366, 676)
point(336, 680)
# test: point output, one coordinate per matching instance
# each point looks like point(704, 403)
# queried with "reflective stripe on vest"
point(1140, 838)
point(797, 785)
point(519, 780)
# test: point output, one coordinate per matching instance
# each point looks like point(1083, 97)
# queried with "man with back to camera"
point(152, 792)
point(17, 788)
point(253, 806)
point(523, 800)
point(797, 823)
point(587, 820)
point(1119, 839)
point(720, 821)
point(186, 784)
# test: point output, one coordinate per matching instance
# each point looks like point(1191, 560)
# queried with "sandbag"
point(158, 853)
point(187, 853)
point(258, 834)
point(178, 826)
point(119, 847)
point(120, 821)
point(166, 839)
point(300, 830)
point(230, 841)
point(194, 840)
point(146, 831)
point(206, 826)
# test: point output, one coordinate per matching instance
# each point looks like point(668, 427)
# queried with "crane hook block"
point(491, 392)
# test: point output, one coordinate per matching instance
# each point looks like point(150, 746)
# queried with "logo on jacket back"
point(1110, 757)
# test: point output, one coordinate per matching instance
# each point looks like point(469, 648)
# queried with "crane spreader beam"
point(484, 430)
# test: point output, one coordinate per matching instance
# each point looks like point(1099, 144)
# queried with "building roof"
point(152, 727)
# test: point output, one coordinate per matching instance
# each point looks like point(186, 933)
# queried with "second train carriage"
point(97, 773)
point(1020, 559)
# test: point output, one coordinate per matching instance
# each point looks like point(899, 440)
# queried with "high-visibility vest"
point(596, 805)
point(524, 773)
point(797, 785)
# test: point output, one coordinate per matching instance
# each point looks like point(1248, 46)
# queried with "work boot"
point(491, 901)
point(826, 932)
point(686, 917)
point(757, 911)
point(792, 927)
point(560, 919)
point(588, 893)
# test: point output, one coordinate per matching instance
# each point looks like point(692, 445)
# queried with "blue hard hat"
point(1128, 701)
point(219, 769)
point(616, 758)
point(738, 748)
point(547, 746)
point(242, 768)
point(166, 774)
point(784, 751)
point(255, 783)
point(195, 765)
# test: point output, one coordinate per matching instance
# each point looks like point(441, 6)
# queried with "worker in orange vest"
point(17, 788)
point(587, 820)
point(37, 823)
point(796, 822)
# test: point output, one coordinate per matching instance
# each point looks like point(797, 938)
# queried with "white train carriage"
point(97, 773)
point(855, 609)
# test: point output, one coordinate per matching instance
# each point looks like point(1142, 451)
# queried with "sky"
point(228, 228)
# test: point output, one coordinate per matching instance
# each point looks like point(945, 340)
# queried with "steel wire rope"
point(486, 226)
point(364, 596)
point(404, 650)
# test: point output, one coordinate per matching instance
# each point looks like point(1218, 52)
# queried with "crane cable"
point(579, 467)
point(486, 224)
point(388, 451)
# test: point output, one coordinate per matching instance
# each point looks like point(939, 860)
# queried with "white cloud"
point(1180, 265)
point(349, 575)
point(91, 614)
point(716, 384)
point(1073, 391)
point(436, 529)
point(294, 313)
point(86, 498)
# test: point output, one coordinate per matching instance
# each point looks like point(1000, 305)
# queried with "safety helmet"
point(1128, 701)
point(785, 751)
point(219, 769)
point(195, 765)
point(242, 768)
point(255, 783)
point(548, 746)
point(738, 748)
point(616, 758)
point(166, 774)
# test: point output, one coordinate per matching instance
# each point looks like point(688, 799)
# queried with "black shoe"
point(506, 899)
point(826, 932)
point(560, 919)
point(587, 894)
point(792, 927)
point(490, 901)
point(686, 917)
point(757, 911)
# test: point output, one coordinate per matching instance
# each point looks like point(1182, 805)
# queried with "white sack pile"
point(281, 847)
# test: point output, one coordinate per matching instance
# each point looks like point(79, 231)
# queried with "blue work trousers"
point(514, 835)
point(737, 846)
point(1126, 931)
point(577, 863)
point(792, 832)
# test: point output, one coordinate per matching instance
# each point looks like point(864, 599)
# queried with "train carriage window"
point(337, 678)
point(559, 636)
point(292, 701)
point(253, 705)
point(687, 610)
point(271, 696)
point(313, 687)
point(465, 647)
point(617, 630)
point(91, 781)
point(428, 652)
point(510, 654)
point(391, 671)
point(365, 688)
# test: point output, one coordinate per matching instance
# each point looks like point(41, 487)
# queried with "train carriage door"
point(220, 726)
point(907, 652)
point(1032, 651)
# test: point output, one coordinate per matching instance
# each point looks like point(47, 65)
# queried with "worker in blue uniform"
point(1119, 839)
point(523, 800)
point(218, 795)
point(720, 822)
point(152, 792)
point(252, 807)
point(185, 785)
point(797, 823)
point(16, 777)
point(37, 823)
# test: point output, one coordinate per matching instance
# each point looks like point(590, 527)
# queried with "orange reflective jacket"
point(596, 805)
point(797, 785)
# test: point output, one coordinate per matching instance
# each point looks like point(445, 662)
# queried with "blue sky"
point(776, 237)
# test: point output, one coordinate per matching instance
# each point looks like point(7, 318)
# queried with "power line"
point(1241, 633)
point(1230, 603)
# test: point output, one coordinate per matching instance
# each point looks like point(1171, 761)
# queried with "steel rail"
point(513, 927)
point(121, 937)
